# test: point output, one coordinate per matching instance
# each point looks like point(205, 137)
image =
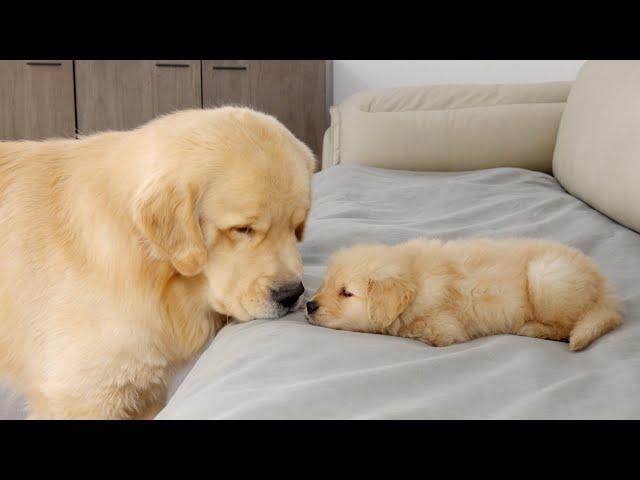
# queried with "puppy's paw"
point(442, 340)
point(577, 343)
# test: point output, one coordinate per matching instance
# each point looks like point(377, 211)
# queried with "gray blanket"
point(288, 369)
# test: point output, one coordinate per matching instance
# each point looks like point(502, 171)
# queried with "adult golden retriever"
point(122, 253)
point(450, 292)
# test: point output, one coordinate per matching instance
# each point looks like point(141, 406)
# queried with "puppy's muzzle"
point(312, 307)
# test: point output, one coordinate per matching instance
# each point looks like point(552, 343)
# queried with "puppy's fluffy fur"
point(445, 293)
point(122, 253)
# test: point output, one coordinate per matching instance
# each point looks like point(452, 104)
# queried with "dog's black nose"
point(312, 307)
point(288, 295)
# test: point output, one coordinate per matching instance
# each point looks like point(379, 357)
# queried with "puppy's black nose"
point(288, 295)
point(312, 307)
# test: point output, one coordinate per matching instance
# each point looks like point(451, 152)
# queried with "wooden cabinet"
point(69, 97)
point(36, 99)
point(226, 82)
point(123, 94)
point(297, 92)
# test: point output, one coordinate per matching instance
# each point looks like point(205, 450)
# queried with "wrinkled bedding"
point(288, 369)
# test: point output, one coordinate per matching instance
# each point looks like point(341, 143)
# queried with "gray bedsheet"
point(287, 369)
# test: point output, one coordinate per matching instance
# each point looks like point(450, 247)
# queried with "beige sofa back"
point(597, 156)
point(448, 127)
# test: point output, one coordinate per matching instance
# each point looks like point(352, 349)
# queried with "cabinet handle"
point(229, 67)
point(45, 64)
point(178, 65)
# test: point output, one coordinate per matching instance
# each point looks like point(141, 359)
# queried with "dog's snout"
point(312, 307)
point(288, 295)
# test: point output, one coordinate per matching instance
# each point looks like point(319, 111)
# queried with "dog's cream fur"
point(122, 253)
point(449, 292)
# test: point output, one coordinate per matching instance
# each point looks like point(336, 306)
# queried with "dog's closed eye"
point(344, 293)
point(244, 229)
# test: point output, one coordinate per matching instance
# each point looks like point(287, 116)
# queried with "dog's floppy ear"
point(387, 298)
point(166, 214)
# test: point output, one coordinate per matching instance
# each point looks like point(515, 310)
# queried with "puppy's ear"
point(166, 215)
point(388, 298)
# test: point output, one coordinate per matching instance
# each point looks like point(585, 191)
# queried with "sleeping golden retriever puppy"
point(122, 253)
point(445, 293)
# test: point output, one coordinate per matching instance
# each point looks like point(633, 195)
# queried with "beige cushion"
point(448, 127)
point(597, 156)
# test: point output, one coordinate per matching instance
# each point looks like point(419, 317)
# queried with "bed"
point(288, 369)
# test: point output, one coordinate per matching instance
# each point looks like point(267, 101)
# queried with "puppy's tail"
point(598, 320)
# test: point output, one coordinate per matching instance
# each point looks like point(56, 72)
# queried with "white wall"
point(351, 76)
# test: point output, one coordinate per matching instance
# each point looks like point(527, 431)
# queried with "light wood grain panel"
point(176, 85)
point(36, 99)
point(294, 91)
point(113, 94)
point(123, 94)
point(226, 82)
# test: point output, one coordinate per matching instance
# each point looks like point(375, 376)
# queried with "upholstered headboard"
point(448, 127)
point(597, 155)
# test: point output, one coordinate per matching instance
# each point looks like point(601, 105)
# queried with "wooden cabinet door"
point(294, 91)
point(123, 94)
point(226, 82)
point(36, 99)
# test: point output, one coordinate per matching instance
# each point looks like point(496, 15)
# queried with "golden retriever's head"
point(365, 289)
point(227, 197)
